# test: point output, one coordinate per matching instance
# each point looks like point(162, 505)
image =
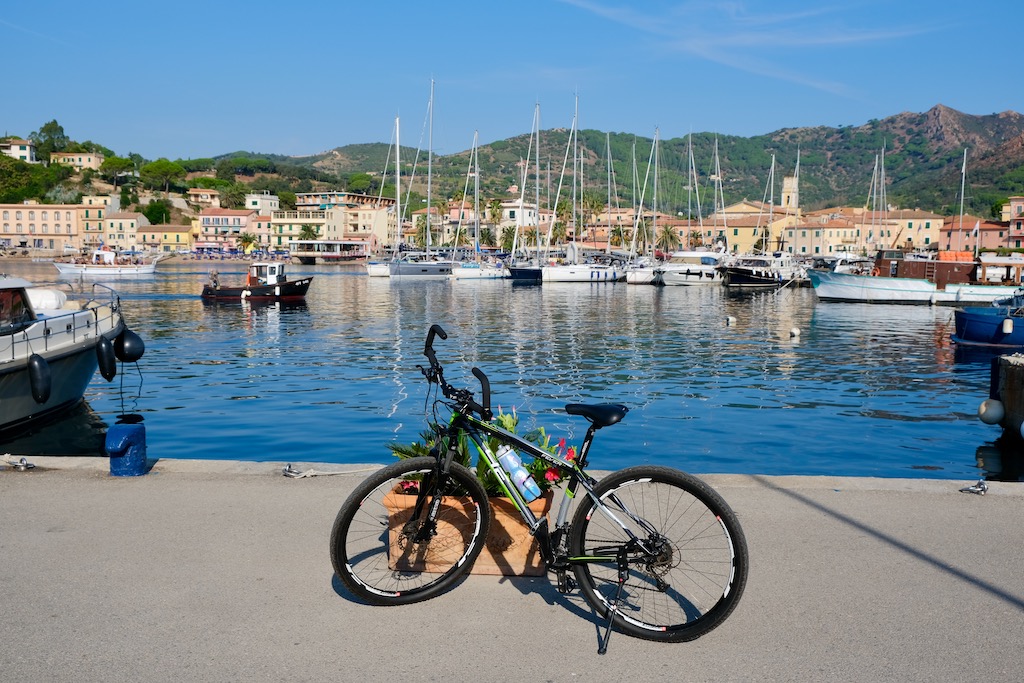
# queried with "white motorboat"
point(689, 268)
point(108, 263)
point(582, 272)
point(766, 271)
point(52, 339)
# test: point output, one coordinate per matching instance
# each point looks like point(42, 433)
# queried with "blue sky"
point(199, 79)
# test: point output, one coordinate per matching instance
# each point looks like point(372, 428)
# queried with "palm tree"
point(487, 237)
point(309, 232)
point(668, 239)
point(246, 240)
point(508, 235)
point(618, 236)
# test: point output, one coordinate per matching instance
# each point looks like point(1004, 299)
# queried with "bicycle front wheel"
point(685, 573)
point(387, 554)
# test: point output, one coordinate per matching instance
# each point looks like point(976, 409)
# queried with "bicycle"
point(655, 551)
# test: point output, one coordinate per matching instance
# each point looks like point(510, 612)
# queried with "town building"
point(23, 150)
point(79, 160)
point(219, 229)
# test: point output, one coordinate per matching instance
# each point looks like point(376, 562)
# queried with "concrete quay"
point(219, 571)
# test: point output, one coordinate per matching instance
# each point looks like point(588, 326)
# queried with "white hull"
point(690, 276)
point(479, 271)
point(641, 275)
point(378, 269)
point(831, 286)
point(583, 272)
point(103, 270)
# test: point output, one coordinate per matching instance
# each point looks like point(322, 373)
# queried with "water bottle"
point(520, 477)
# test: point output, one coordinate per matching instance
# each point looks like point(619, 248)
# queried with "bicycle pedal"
point(566, 584)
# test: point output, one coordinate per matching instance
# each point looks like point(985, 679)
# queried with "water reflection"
point(716, 382)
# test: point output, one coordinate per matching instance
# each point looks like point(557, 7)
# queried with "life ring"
point(875, 271)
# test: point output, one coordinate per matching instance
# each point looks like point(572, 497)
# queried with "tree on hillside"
point(233, 196)
point(49, 138)
point(288, 200)
point(158, 211)
point(161, 173)
point(113, 168)
point(360, 182)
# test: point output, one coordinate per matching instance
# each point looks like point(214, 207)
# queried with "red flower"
point(570, 454)
point(551, 474)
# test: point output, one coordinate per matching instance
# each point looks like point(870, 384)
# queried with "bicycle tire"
point(699, 577)
point(372, 549)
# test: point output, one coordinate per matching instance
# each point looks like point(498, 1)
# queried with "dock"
point(219, 571)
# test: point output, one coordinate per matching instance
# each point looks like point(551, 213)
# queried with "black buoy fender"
point(128, 346)
point(39, 378)
point(105, 356)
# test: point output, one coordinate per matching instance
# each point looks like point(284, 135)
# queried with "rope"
point(293, 473)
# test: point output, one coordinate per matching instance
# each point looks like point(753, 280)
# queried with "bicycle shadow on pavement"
point(879, 535)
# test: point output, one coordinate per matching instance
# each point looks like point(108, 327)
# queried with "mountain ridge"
point(923, 160)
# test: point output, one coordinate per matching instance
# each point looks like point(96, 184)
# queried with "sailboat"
point(641, 270)
point(382, 268)
point(423, 266)
point(526, 269)
point(764, 269)
point(477, 269)
point(572, 270)
point(696, 266)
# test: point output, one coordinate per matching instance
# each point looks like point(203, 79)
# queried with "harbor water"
point(716, 382)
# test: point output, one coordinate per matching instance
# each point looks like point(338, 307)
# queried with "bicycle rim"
point(693, 581)
point(385, 557)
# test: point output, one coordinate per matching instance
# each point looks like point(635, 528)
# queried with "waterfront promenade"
point(219, 571)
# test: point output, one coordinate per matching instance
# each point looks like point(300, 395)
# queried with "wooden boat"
point(52, 339)
point(104, 262)
point(265, 280)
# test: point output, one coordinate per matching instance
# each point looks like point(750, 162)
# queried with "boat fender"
point(876, 272)
point(991, 411)
point(1008, 326)
point(128, 346)
point(39, 378)
point(105, 358)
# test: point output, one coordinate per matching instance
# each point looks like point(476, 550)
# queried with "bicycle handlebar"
point(436, 374)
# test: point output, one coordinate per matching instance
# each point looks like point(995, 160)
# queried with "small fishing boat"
point(52, 339)
point(265, 280)
point(107, 263)
point(999, 326)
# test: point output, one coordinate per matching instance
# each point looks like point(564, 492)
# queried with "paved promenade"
point(219, 571)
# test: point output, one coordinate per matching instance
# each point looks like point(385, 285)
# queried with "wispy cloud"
point(34, 34)
point(728, 33)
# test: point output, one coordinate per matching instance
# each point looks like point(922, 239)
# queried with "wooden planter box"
point(509, 549)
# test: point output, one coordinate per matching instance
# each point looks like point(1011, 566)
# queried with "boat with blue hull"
point(998, 326)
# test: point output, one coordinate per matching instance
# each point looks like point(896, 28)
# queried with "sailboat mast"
point(430, 157)
point(398, 194)
point(963, 187)
point(608, 151)
point(654, 199)
point(476, 192)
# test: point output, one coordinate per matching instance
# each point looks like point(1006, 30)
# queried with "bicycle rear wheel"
point(385, 556)
point(694, 570)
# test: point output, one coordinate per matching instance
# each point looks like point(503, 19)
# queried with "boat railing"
point(91, 316)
